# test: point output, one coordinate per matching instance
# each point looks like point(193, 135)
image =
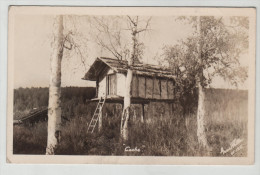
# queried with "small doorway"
point(111, 84)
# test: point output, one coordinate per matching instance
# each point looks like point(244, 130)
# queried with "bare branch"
point(146, 27)
point(69, 48)
point(134, 23)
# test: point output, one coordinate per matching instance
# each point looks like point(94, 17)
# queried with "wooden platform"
point(35, 116)
point(134, 100)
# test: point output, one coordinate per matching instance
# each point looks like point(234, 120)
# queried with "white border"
point(142, 11)
point(116, 169)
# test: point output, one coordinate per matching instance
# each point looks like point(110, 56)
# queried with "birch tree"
point(112, 35)
point(134, 27)
point(201, 94)
point(62, 40)
point(214, 49)
point(54, 106)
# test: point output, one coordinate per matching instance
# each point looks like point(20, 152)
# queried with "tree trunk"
point(128, 85)
point(54, 108)
point(201, 117)
point(100, 118)
point(127, 104)
point(201, 95)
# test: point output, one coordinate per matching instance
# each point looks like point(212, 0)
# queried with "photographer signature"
point(235, 146)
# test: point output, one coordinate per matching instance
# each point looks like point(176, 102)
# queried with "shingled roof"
point(121, 66)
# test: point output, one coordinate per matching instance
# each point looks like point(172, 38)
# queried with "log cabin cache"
point(150, 83)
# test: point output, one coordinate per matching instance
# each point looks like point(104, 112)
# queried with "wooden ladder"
point(96, 115)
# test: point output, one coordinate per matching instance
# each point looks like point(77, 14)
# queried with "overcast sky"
point(32, 50)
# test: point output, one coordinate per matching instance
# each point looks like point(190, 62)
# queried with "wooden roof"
point(121, 66)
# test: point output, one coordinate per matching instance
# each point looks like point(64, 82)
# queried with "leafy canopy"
point(223, 40)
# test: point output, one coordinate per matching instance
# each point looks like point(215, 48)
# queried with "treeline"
point(29, 98)
point(25, 99)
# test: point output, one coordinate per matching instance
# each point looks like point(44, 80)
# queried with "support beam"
point(143, 114)
point(134, 116)
point(97, 87)
point(170, 109)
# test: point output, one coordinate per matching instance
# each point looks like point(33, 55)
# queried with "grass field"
point(163, 133)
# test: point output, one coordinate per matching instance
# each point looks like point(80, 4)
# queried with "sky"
point(32, 50)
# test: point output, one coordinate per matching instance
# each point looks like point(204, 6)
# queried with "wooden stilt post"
point(134, 116)
point(170, 109)
point(143, 114)
point(122, 105)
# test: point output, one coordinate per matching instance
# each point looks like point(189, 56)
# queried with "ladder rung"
point(96, 114)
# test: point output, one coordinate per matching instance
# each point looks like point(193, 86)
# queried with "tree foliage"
point(223, 42)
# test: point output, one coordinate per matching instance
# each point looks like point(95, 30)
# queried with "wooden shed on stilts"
point(150, 83)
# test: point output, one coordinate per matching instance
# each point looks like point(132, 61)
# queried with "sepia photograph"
point(131, 85)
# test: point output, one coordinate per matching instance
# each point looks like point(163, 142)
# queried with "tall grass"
point(164, 131)
point(30, 140)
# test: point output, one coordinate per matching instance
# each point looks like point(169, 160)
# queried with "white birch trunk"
point(54, 108)
point(127, 104)
point(100, 117)
point(128, 85)
point(201, 118)
point(201, 96)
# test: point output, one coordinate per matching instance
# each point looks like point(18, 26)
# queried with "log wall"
point(152, 88)
point(142, 86)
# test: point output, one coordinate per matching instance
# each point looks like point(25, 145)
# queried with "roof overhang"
point(120, 66)
point(96, 68)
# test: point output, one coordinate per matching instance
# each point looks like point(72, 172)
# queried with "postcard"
point(131, 85)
